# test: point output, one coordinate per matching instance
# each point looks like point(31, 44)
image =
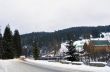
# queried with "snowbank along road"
point(19, 66)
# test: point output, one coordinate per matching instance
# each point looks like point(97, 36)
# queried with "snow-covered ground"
point(70, 66)
point(16, 65)
point(4, 64)
point(63, 48)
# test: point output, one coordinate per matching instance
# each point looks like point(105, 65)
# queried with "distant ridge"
point(62, 35)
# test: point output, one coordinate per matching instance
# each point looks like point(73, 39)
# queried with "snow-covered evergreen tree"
point(73, 55)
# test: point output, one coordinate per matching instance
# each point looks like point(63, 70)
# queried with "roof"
point(101, 42)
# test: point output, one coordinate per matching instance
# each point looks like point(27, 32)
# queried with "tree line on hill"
point(52, 40)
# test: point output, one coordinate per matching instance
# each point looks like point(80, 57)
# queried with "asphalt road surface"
point(18, 66)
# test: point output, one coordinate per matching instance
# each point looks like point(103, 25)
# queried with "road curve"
point(19, 66)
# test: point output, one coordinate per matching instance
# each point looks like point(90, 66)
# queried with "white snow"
point(79, 44)
point(106, 35)
point(63, 48)
point(4, 64)
point(70, 66)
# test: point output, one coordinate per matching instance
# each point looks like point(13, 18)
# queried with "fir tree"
point(102, 36)
point(17, 44)
point(72, 52)
point(8, 44)
point(35, 50)
point(95, 33)
point(1, 46)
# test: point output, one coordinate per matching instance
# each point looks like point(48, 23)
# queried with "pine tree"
point(8, 44)
point(72, 52)
point(35, 50)
point(1, 46)
point(95, 33)
point(86, 36)
point(17, 44)
point(102, 36)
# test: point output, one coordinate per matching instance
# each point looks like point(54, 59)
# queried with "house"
point(94, 48)
point(98, 46)
point(97, 50)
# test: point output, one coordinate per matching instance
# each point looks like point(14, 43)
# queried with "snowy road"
point(18, 66)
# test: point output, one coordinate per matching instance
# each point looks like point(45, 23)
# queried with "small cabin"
point(97, 50)
point(99, 46)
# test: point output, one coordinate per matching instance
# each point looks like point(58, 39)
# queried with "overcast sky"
point(50, 15)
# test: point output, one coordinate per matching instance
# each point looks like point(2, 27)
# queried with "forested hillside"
point(50, 38)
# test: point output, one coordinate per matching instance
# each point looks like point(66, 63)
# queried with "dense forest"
point(48, 39)
point(61, 35)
